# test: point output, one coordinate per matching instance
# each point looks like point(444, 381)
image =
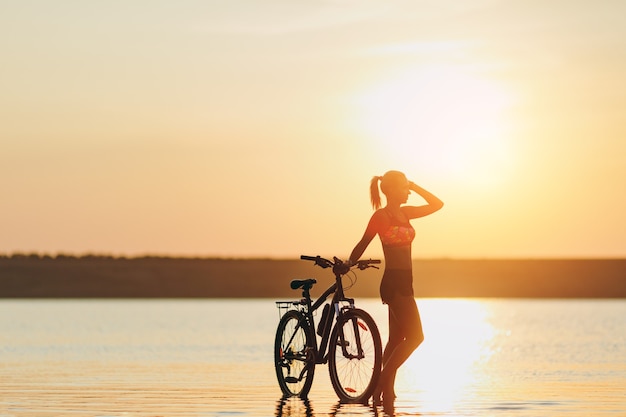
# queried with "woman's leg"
point(395, 338)
point(406, 315)
point(405, 335)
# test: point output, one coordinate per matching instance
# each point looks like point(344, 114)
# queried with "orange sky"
point(246, 128)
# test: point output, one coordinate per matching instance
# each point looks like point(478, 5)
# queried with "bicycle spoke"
point(293, 360)
point(355, 357)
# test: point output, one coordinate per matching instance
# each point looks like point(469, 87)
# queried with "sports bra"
point(398, 233)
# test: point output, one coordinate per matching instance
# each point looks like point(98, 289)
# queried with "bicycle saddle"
point(305, 284)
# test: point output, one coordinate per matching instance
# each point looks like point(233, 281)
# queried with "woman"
point(391, 224)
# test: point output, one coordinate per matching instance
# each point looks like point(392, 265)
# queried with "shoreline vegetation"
point(101, 276)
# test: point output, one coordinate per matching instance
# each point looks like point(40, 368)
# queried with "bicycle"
point(352, 347)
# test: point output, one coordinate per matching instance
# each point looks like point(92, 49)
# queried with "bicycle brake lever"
point(321, 264)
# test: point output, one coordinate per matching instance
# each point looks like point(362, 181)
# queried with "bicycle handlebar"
point(340, 266)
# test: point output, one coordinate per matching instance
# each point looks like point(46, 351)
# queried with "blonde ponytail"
point(374, 192)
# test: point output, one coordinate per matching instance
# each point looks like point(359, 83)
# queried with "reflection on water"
point(442, 372)
point(294, 406)
point(190, 358)
point(510, 358)
point(459, 341)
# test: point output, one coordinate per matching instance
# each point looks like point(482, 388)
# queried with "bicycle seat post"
point(306, 294)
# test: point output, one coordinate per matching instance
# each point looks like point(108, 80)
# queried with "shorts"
point(396, 282)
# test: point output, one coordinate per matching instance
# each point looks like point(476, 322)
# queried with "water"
point(110, 358)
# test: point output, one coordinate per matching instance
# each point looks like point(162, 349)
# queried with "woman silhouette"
point(391, 224)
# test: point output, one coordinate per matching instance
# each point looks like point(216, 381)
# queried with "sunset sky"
point(252, 128)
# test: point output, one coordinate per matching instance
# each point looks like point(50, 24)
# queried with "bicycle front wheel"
point(355, 356)
point(294, 356)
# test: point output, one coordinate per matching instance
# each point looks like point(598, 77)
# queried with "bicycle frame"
point(321, 354)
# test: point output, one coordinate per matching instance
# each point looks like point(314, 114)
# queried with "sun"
point(444, 118)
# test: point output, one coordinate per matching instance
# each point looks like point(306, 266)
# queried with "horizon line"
point(68, 255)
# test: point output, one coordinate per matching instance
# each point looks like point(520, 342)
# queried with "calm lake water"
point(481, 357)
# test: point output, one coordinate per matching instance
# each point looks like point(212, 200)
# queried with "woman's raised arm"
point(434, 203)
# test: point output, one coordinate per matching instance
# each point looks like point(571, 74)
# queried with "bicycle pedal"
point(291, 380)
point(345, 343)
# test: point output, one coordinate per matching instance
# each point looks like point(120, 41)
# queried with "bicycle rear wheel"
point(354, 356)
point(294, 356)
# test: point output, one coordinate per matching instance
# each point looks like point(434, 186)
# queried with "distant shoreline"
point(92, 276)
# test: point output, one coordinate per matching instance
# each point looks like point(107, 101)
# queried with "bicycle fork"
point(345, 344)
point(357, 337)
